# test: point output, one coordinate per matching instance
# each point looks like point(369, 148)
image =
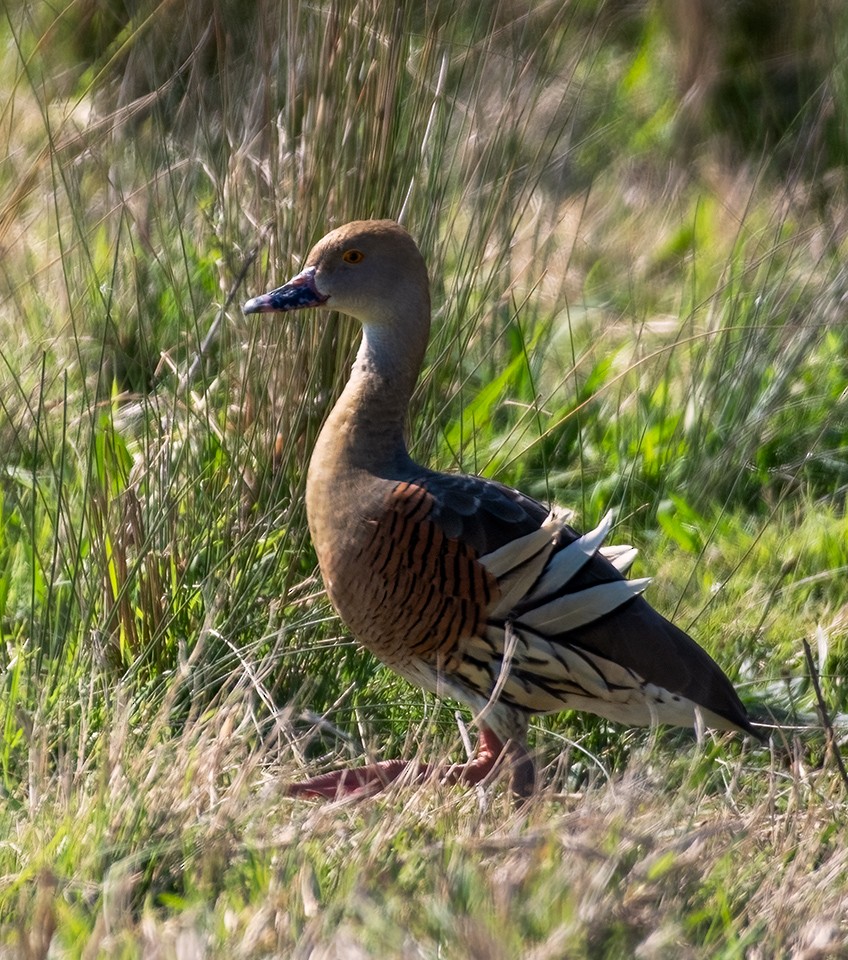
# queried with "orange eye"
point(353, 256)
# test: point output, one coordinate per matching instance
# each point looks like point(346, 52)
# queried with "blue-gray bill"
point(300, 292)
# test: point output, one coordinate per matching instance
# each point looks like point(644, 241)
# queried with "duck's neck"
point(365, 429)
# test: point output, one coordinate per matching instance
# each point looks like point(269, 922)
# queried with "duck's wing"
point(560, 627)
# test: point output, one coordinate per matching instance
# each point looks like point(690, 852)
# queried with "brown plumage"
point(460, 584)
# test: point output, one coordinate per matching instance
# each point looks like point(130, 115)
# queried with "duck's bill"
point(300, 292)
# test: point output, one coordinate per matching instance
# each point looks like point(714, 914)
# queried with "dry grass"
point(699, 852)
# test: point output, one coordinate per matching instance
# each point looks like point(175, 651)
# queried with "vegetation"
point(635, 220)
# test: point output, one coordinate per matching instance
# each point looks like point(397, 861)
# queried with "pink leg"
point(361, 781)
point(371, 779)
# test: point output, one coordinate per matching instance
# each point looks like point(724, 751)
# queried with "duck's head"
point(368, 269)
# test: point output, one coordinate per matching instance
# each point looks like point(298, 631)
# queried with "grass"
point(634, 307)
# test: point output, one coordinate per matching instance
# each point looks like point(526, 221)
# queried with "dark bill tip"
point(300, 292)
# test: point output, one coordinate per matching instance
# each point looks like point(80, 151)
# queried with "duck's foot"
point(360, 781)
point(365, 781)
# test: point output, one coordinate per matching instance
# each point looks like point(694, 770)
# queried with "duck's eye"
point(353, 256)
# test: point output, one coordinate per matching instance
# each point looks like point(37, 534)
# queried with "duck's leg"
point(374, 777)
point(493, 754)
point(360, 781)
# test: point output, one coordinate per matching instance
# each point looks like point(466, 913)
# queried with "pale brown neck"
point(365, 429)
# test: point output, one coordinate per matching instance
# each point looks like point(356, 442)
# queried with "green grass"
point(637, 304)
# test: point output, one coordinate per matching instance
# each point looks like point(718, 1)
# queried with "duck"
point(464, 586)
